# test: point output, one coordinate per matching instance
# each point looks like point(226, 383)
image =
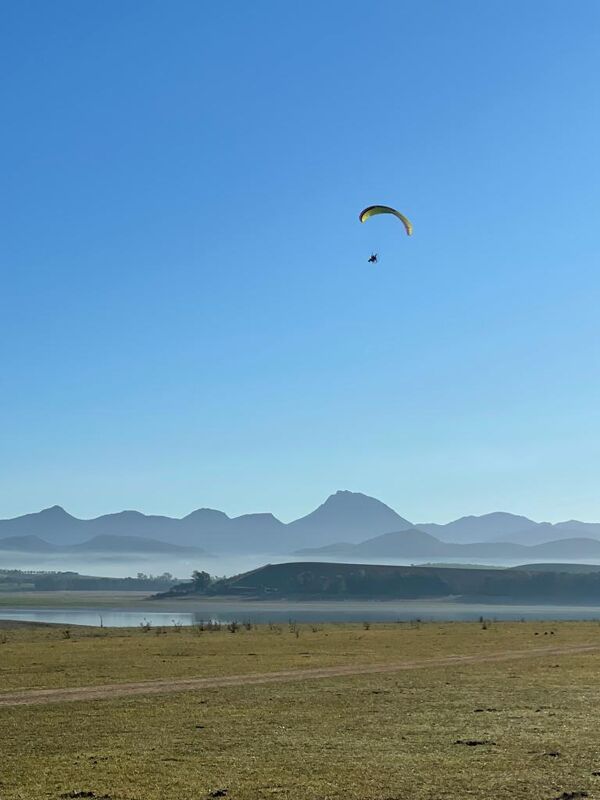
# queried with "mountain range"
point(500, 525)
point(348, 517)
point(348, 514)
point(415, 543)
point(97, 544)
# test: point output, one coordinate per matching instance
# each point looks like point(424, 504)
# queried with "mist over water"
point(135, 611)
point(123, 565)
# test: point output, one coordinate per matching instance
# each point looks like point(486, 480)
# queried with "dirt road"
point(110, 691)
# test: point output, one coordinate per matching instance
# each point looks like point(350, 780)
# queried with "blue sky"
point(187, 317)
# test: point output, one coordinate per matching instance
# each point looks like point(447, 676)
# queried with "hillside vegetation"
point(331, 580)
point(15, 580)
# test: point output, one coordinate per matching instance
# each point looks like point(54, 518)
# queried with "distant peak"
point(344, 494)
point(55, 511)
point(491, 515)
point(206, 512)
point(344, 497)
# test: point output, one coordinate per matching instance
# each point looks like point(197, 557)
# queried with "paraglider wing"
point(371, 211)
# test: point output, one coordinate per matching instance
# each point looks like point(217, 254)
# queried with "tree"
point(201, 580)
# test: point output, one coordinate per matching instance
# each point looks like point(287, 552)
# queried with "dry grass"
point(43, 657)
point(376, 737)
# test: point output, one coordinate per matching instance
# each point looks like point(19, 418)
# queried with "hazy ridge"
point(347, 523)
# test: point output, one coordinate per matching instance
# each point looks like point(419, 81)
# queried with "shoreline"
point(111, 600)
point(111, 609)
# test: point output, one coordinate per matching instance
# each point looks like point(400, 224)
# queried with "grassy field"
point(370, 737)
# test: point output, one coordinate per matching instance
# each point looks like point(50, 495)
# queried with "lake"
point(304, 612)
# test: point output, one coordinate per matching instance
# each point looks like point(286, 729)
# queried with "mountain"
point(345, 514)
point(205, 525)
point(104, 544)
point(411, 543)
point(26, 544)
point(349, 515)
point(207, 528)
point(575, 528)
point(53, 524)
point(500, 526)
point(414, 543)
point(129, 523)
point(567, 548)
point(128, 544)
point(259, 533)
point(488, 527)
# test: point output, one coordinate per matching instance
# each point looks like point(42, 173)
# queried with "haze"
point(349, 527)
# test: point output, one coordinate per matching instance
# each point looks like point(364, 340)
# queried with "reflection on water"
point(98, 618)
point(331, 611)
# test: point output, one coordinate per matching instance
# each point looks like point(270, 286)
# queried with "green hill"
point(327, 580)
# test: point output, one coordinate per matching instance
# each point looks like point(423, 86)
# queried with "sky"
point(187, 315)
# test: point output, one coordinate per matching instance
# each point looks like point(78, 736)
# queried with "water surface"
point(312, 611)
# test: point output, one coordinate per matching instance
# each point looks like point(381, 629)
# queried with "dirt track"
point(110, 691)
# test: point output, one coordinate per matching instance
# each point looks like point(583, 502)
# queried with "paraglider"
point(372, 211)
